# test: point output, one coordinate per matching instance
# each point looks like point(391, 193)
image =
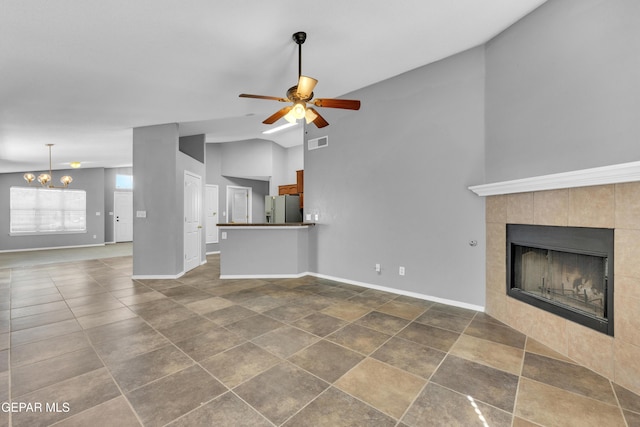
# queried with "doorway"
point(239, 204)
point(192, 221)
point(211, 213)
point(123, 216)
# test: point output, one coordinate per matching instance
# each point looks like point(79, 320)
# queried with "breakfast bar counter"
point(262, 250)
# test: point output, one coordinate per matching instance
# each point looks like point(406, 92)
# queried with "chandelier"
point(46, 178)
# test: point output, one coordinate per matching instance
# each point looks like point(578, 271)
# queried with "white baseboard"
point(263, 276)
point(213, 252)
point(157, 276)
point(53, 247)
point(401, 292)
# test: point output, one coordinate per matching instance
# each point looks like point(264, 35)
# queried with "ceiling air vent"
point(316, 143)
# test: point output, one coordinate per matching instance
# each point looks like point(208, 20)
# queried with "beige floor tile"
point(437, 405)
point(281, 391)
point(554, 407)
point(240, 363)
point(346, 310)
point(499, 356)
point(326, 360)
point(483, 383)
point(401, 309)
point(384, 387)
point(344, 411)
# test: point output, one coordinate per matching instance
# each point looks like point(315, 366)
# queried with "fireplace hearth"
point(567, 271)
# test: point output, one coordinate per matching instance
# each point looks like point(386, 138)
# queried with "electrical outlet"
point(378, 268)
point(401, 271)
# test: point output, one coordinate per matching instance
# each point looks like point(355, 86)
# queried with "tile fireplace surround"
point(614, 206)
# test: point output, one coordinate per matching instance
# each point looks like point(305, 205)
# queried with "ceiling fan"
point(301, 94)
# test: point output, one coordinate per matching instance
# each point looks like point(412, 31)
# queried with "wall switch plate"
point(141, 214)
point(98, 214)
point(308, 216)
point(224, 235)
point(378, 268)
point(401, 271)
point(317, 217)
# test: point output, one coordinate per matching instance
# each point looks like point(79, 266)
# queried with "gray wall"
point(391, 187)
point(214, 157)
point(157, 239)
point(250, 159)
point(562, 90)
point(295, 162)
point(109, 189)
point(90, 180)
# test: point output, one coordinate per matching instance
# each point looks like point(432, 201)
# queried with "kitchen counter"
point(268, 224)
point(264, 250)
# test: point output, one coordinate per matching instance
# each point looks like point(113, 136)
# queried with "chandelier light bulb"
point(29, 177)
point(44, 178)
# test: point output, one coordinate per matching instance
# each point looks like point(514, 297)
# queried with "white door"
point(239, 204)
point(123, 216)
point(192, 221)
point(211, 213)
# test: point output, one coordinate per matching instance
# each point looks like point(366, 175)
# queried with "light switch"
point(224, 235)
point(98, 214)
point(141, 214)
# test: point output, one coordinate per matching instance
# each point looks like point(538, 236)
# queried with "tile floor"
point(101, 349)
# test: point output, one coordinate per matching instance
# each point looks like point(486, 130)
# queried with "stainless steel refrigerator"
point(281, 209)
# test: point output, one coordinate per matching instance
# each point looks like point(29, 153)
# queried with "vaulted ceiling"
point(82, 73)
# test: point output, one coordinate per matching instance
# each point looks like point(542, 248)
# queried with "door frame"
point(199, 209)
point(115, 234)
point(249, 201)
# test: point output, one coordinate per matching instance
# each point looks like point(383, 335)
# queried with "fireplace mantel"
point(614, 174)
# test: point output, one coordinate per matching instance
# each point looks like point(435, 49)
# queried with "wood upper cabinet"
point(300, 180)
point(294, 189)
point(288, 189)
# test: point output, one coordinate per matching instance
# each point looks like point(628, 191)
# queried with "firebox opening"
point(564, 270)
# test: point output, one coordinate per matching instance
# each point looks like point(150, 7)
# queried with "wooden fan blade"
point(305, 86)
point(277, 116)
point(347, 104)
point(271, 98)
point(319, 121)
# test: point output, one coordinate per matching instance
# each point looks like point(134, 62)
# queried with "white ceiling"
point(82, 73)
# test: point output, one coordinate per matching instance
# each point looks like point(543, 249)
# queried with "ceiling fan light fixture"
point(298, 110)
point(290, 118)
point(310, 115)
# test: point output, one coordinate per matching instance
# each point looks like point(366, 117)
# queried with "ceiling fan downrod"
point(299, 38)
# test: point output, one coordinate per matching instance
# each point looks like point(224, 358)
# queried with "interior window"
point(124, 182)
